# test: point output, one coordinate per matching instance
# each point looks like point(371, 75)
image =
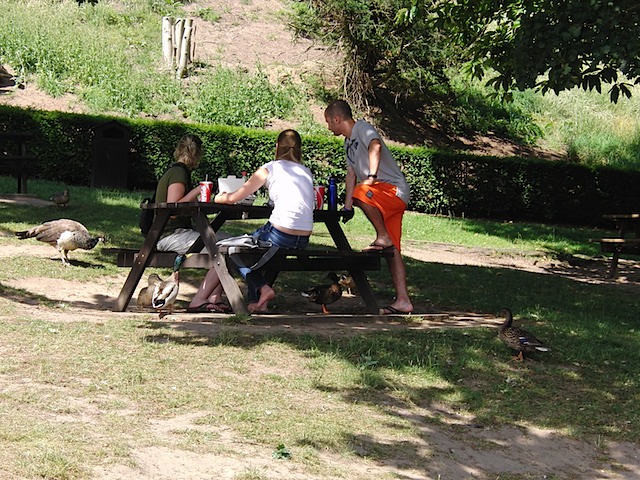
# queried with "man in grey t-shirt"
point(375, 184)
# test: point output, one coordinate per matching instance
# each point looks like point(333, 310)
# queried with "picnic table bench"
point(341, 258)
point(13, 151)
point(627, 240)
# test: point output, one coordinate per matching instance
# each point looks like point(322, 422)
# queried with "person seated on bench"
point(290, 186)
point(175, 186)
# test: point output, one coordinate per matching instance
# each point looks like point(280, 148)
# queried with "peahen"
point(64, 234)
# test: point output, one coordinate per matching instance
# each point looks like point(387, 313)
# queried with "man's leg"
point(396, 264)
point(375, 217)
point(398, 272)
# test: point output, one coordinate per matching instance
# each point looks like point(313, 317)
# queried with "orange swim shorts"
point(383, 196)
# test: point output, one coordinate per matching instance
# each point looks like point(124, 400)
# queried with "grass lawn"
point(77, 395)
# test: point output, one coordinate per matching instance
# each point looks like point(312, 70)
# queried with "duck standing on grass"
point(519, 339)
point(165, 293)
point(325, 294)
point(61, 199)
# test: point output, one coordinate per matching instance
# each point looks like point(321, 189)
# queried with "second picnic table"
point(627, 240)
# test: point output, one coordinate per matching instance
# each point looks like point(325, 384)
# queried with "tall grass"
point(109, 54)
point(591, 129)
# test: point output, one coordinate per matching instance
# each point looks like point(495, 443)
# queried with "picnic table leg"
point(230, 286)
point(22, 174)
point(359, 276)
point(614, 262)
point(142, 261)
point(22, 179)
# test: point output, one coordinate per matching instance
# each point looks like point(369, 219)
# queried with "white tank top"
point(290, 186)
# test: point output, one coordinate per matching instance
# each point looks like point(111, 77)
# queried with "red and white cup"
point(206, 190)
point(319, 197)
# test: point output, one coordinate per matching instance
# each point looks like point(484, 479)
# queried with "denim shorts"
point(284, 240)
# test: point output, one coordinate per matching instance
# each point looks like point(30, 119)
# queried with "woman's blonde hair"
point(189, 151)
point(289, 146)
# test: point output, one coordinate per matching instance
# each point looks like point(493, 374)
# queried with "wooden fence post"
point(185, 49)
point(178, 44)
point(167, 41)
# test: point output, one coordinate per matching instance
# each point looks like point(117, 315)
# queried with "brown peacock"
point(61, 198)
point(63, 234)
point(519, 339)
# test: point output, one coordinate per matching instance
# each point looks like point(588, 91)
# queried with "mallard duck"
point(61, 198)
point(146, 293)
point(165, 292)
point(519, 339)
point(347, 283)
point(325, 294)
point(64, 234)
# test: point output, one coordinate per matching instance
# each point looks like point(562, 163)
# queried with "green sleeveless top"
point(176, 173)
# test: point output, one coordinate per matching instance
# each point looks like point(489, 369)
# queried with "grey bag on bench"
point(239, 250)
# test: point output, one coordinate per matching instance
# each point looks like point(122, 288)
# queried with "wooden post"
point(178, 30)
point(178, 43)
point(167, 41)
point(185, 49)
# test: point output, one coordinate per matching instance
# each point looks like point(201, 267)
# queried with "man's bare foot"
point(397, 309)
point(266, 295)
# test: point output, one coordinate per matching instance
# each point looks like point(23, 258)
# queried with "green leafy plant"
point(281, 452)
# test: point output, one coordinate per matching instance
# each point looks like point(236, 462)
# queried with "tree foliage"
point(546, 44)
point(406, 58)
point(550, 45)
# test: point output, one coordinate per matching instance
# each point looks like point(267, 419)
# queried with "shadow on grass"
point(591, 329)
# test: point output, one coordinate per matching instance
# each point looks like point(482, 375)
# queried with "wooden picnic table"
point(343, 256)
point(626, 241)
point(17, 156)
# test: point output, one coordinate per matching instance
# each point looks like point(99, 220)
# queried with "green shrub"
point(232, 97)
point(441, 182)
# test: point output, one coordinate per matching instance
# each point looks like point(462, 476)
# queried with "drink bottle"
point(332, 194)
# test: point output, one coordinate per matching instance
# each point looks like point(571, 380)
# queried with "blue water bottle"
point(332, 194)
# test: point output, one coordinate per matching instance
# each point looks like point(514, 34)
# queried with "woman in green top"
point(178, 235)
point(175, 186)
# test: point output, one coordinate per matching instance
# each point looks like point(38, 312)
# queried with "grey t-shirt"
point(357, 153)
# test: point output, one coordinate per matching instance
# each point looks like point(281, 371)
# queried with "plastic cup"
point(319, 197)
point(206, 190)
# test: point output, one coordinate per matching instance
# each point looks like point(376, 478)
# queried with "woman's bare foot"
point(266, 295)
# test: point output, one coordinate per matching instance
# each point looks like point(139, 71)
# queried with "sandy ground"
point(465, 455)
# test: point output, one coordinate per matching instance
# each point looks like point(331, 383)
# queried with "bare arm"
point(349, 183)
point(375, 149)
point(252, 185)
point(176, 193)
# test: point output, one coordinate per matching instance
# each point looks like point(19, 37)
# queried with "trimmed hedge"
point(441, 182)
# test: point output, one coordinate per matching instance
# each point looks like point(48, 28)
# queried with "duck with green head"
point(165, 293)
